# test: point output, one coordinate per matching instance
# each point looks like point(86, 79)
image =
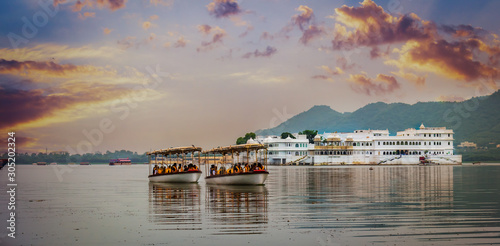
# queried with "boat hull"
point(252, 178)
point(182, 177)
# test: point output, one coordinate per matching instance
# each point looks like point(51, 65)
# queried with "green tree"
point(286, 134)
point(243, 140)
point(310, 134)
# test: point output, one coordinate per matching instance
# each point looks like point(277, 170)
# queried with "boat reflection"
point(175, 206)
point(237, 209)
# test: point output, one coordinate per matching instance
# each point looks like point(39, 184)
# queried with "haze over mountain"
point(476, 119)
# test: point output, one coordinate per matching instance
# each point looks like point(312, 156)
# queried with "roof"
point(177, 150)
point(236, 148)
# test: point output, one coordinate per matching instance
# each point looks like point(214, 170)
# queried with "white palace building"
point(411, 146)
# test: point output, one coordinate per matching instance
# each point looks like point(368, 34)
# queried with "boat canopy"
point(236, 148)
point(174, 151)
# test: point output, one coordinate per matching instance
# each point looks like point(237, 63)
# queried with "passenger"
point(247, 168)
point(174, 168)
point(213, 170)
point(155, 170)
point(260, 167)
point(253, 167)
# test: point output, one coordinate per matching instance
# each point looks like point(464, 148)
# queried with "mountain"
point(476, 119)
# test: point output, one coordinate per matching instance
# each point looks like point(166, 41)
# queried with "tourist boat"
point(84, 163)
point(41, 163)
point(164, 171)
point(250, 171)
point(120, 161)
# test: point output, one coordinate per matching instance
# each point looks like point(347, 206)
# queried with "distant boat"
point(53, 163)
point(233, 173)
point(120, 161)
point(71, 163)
point(41, 163)
point(84, 163)
point(476, 163)
point(180, 171)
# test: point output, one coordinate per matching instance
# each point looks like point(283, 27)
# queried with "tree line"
point(64, 158)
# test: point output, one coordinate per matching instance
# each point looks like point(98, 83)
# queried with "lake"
point(298, 205)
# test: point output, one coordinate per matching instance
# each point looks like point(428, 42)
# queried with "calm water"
point(103, 205)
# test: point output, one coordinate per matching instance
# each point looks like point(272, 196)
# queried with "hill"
point(476, 120)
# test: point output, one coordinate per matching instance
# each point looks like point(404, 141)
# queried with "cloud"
point(464, 31)
point(223, 8)
point(459, 57)
point(181, 42)
point(304, 18)
point(86, 15)
point(68, 92)
point(419, 81)
point(91, 4)
point(306, 24)
point(46, 51)
point(162, 2)
point(127, 42)
point(247, 30)
point(37, 108)
point(22, 142)
point(154, 17)
point(360, 83)
point(322, 77)
point(47, 68)
point(146, 25)
point(343, 64)
point(373, 26)
point(205, 29)
point(453, 60)
point(266, 36)
point(107, 31)
point(266, 53)
point(311, 33)
point(217, 37)
point(329, 71)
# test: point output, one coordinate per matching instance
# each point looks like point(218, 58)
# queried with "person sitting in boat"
point(259, 166)
point(246, 168)
point(253, 166)
point(174, 168)
point(155, 169)
point(161, 170)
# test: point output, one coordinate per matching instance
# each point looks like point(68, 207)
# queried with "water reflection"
point(237, 209)
point(175, 206)
point(418, 202)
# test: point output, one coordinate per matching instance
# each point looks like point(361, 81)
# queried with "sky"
point(103, 75)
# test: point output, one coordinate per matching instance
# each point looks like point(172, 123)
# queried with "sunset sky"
point(98, 75)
